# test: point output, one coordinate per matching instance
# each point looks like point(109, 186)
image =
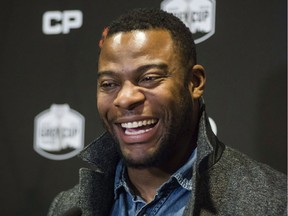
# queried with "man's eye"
point(148, 78)
point(151, 81)
point(107, 85)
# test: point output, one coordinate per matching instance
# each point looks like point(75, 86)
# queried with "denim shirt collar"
point(184, 174)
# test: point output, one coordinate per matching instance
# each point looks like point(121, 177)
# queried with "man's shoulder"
point(237, 162)
point(238, 180)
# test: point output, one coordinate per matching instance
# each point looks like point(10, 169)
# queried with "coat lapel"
point(97, 184)
point(96, 192)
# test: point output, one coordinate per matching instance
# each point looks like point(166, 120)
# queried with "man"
point(159, 155)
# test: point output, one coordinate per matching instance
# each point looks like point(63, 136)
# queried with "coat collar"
point(209, 148)
point(96, 184)
point(102, 153)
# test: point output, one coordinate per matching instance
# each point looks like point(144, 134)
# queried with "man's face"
point(141, 96)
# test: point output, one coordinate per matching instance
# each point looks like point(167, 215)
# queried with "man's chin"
point(141, 163)
point(141, 156)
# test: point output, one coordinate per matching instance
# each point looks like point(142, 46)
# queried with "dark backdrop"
point(246, 95)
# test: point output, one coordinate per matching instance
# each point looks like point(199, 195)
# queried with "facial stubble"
point(174, 126)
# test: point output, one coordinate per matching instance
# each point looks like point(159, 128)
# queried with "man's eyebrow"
point(107, 73)
point(144, 68)
point(140, 70)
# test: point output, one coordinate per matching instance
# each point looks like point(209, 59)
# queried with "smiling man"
point(159, 155)
point(148, 98)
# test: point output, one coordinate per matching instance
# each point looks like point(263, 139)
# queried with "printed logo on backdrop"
point(61, 22)
point(59, 132)
point(198, 16)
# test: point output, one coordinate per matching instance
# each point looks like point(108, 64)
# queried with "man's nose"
point(129, 96)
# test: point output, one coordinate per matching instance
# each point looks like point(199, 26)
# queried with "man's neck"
point(145, 182)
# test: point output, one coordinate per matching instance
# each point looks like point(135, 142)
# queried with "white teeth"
point(137, 124)
point(127, 132)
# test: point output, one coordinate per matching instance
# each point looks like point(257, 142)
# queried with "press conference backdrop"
point(48, 66)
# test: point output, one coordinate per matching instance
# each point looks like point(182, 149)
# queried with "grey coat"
point(226, 181)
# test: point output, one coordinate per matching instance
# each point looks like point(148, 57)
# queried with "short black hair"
point(151, 18)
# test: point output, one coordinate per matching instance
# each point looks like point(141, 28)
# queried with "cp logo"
point(57, 22)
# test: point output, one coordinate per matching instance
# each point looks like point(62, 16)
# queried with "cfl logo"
point(57, 22)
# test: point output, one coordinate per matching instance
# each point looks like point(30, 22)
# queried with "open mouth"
point(138, 127)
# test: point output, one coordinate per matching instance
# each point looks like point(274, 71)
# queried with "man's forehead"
point(137, 41)
point(140, 36)
point(139, 47)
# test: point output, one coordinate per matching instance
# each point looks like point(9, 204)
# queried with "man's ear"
point(197, 81)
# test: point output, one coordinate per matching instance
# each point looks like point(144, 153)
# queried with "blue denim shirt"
point(170, 199)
